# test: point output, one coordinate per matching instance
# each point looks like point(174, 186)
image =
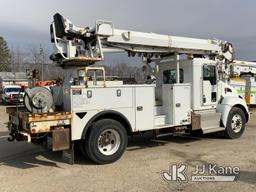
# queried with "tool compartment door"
point(144, 107)
point(181, 97)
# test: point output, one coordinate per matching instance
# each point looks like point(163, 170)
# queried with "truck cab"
point(209, 97)
point(206, 87)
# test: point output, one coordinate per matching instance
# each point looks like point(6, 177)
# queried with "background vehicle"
point(12, 94)
point(13, 78)
point(242, 76)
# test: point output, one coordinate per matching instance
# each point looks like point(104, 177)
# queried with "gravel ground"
point(26, 167)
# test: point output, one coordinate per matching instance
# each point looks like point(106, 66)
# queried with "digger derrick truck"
point(188, 95)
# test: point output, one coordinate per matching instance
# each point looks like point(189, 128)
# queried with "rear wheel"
point(81, 145)
point(235, 124)
point(106, 141)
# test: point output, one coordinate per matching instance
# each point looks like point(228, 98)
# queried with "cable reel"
point(38, 100)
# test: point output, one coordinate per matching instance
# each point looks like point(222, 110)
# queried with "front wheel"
point(235, 124)
point(106, 141)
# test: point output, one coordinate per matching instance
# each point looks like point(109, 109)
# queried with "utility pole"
point(41, 51)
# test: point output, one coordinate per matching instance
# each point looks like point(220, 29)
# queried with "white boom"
point(87, 45)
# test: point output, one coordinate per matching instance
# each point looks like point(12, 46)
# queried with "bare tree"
point(39, 58)
point(18, 60)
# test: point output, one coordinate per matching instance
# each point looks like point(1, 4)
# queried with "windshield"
point(13, 89)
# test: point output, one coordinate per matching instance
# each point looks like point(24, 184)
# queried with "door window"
point(209, 74)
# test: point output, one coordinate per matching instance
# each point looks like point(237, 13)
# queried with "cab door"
point(209, 85)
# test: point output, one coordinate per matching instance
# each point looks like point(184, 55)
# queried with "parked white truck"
point(188, 94)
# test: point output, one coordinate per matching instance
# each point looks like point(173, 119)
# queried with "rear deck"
point(37, 123)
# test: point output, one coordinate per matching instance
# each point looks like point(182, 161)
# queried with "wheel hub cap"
point(109, 142)
point(236, 123)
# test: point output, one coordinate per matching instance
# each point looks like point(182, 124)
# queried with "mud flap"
point(60, 139)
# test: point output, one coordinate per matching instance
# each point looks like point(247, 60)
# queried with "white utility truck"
point(100, 115)
point(11, 94)
point(242, 76)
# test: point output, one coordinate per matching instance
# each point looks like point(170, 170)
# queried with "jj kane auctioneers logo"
point(200, 173)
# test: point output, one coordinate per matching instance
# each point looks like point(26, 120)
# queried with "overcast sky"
point(26, 22)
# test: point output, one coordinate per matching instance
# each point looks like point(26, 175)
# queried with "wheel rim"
point(236, 123)
point(109, 142)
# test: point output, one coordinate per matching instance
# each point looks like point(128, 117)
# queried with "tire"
point(82, 149)
point(235, 124)
point(106, 141)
